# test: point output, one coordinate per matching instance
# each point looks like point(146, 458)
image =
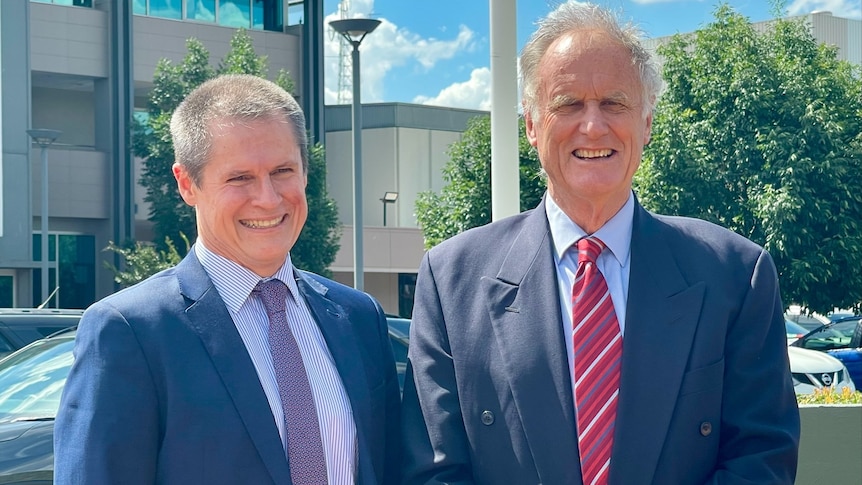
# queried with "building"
point(84, 67)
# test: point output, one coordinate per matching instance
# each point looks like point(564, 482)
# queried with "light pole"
point(44, 138)
point(354, 30)
point(388, 198)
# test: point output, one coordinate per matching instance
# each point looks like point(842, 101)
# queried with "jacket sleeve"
point(107, 426)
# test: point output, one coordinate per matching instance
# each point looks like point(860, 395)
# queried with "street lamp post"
point(44, 138)
point(388, 198)
point(355, 30)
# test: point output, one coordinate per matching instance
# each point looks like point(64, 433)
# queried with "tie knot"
point(273, 293)
point(589, 249)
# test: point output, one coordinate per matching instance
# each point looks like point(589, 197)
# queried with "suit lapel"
point(340, 336)
point(209, 318)
point(524, 308)
point(661, 318)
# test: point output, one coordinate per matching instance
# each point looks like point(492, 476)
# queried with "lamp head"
point(390, 197)
point(44, 137)
point(354, 30)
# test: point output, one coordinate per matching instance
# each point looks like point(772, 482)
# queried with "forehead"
point(589, 56)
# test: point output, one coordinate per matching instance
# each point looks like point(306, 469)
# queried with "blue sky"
point(437, 51)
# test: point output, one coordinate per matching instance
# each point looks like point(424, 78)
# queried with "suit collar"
point(340, 335)
point(525, 315)
point(661, 318)
point(209, 318)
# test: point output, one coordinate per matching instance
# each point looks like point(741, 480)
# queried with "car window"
point(835, 336)
point(32, 380)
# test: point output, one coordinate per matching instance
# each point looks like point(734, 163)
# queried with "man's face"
point(589, 126)
point(250, 204)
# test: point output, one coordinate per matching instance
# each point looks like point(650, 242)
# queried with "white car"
point(817, 370)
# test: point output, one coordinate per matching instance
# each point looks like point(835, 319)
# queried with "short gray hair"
point(576, 16)
point(239, 97)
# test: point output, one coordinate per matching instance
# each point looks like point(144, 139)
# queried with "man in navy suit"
point(177, 380)
point(704, 392)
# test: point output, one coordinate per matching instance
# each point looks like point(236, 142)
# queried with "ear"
point(530, 126)
point(185, 184)
point(648, 128)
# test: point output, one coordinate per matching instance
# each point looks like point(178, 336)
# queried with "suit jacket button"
point(705, 428)
point(487, 418)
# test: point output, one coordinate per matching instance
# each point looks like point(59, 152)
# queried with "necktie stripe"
point(597, 344)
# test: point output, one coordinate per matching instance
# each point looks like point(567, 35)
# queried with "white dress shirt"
point(614, 262)
point(337, 428)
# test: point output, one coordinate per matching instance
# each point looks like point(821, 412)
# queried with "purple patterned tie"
point(304, 446)
point(598, 350)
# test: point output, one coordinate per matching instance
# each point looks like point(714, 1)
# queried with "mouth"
point(593, 154)
point(262, 223)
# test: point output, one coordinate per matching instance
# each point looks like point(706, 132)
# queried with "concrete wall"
point(830, 449)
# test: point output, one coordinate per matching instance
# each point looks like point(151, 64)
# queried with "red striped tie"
point(598, 348)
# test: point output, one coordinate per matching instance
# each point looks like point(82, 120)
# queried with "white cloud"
point(388, 46)
point(472, 94)
point(839, 8)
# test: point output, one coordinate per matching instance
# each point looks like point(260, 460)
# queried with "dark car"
point(31, 382)
point(20, 326)
point(841, 339)
point(399, 335)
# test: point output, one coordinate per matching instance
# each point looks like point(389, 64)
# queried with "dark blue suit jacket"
point(705, 395)
point(163, 390)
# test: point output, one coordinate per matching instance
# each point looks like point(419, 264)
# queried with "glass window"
point(77, 266)
point(7, 291)
point(406, 288)
point(33, 380)
point(202, 10)
point(234, 13)
point(267, 15)
point(139, 7)
point(169, 9)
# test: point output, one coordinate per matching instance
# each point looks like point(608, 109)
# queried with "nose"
point(593, 123)
point(267, 193)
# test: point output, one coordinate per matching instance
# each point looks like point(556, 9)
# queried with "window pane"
point(6, 292)
point(203, 10)
point(169, 9)
point(234, 13)
point(267, 15)
point(77, 271)
point(139, 7)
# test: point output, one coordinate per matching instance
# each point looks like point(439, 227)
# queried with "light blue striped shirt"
point(337, 428)
point(614, 262)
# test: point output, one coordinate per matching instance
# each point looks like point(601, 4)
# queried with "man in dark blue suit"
point(506, 382)
point(234, 366)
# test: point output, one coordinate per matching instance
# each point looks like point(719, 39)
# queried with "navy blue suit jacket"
point(705, 394)
point(162, 389)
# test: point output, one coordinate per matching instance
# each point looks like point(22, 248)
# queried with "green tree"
point(761, 132)
point(319, 241)
point(143, 260)
point(465, 201)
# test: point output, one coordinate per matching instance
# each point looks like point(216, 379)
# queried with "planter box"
point(830, 448)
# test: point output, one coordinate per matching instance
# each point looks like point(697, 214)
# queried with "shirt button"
point(705, 428)
point(487, 418)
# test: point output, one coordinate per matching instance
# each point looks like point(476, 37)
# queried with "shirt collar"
point(235, 282)
point(616, 233)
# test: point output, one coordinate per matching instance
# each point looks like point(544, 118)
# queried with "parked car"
point(20, 326)
point(31, 382)
point(399, 336)
point(841, 339)
point(794, 331)
point(812, 370)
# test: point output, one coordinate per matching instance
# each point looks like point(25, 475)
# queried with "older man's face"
point(589, 126)
point(250, 204)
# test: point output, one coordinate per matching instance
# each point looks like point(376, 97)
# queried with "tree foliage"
point(142, 260)
point(761, 132)
point(465, 201)
point(319, 241)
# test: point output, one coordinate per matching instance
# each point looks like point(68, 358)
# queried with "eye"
point(239, 179)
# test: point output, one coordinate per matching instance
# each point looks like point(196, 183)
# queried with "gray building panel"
point(403, 115)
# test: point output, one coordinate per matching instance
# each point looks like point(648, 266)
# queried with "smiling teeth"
point(261, 224)
point(593, 153)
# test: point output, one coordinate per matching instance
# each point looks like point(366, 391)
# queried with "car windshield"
point(834, 336)
point(32, 380)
